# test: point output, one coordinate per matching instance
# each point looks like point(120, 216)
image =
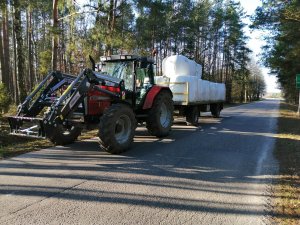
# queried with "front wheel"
point(160, 117)
point(117, 126)
point(62, 135)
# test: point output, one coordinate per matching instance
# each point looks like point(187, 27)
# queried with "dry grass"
point(14, 145)
point(88, 134)
point(287, 190)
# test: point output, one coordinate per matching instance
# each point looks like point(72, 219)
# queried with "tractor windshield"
point(121, 70)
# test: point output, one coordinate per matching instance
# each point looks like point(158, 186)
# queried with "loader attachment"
point(63, 97)
point(29, 119)
point(26, 126)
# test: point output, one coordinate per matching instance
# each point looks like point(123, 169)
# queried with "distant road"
point(215, 174)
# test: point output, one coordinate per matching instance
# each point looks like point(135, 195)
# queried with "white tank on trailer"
point(191, 94)
point(179, 65)
point(184, 88)
point(186, 84)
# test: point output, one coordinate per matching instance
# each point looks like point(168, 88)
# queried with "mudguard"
point(152, 93)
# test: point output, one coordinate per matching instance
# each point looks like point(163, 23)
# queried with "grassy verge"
point(287, 190)
point(13, 145)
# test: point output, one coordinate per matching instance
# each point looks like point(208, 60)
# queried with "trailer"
point(191, 94)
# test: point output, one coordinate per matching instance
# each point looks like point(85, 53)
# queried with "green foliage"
point(282, 52)
point(4, 98)
point(250, 86)
point(207, 31)
point(45, 62)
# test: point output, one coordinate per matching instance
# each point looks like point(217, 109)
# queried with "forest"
point(37, 36)
point(281, 20)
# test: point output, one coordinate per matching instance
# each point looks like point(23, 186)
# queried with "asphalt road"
point(218, 173)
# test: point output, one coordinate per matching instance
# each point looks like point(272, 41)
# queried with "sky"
point(255, 43)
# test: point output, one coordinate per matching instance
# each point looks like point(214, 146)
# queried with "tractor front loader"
point(112, 101)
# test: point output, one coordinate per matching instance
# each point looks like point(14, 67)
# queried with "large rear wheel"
point(160, 117)
point(117, 126)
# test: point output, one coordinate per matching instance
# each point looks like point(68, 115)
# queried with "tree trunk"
point(29, 43)
point(55, 35)
point(5, 46)
point(20, 56)
point(14, 80)
point(299, 105)
point(1, 57)
point(111, 26)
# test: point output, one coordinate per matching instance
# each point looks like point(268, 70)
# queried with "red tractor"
point(113, 100)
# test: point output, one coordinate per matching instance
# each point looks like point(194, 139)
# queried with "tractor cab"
point(137, 73)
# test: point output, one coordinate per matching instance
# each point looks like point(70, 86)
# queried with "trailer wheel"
point(62, 135)
point(192, 115)
point(215, 110)
point(117, 126)
point(160, 117)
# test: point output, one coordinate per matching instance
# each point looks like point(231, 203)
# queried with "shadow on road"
point(220, 157)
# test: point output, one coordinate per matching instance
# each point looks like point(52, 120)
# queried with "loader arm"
point(32, 107)
point(87, 80)
point(27, 122)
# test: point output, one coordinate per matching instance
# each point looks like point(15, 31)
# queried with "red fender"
point(152, 94)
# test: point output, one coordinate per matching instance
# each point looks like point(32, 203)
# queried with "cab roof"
point(116, 58)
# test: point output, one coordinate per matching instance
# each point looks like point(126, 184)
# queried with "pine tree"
point(20, 54)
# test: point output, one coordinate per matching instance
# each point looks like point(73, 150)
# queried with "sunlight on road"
point(272, 135)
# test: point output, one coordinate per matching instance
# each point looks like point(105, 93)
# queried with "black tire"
point(192, 116)
point(117, 126)
point(61, 135)
point(160, 117)
point(215, 110)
